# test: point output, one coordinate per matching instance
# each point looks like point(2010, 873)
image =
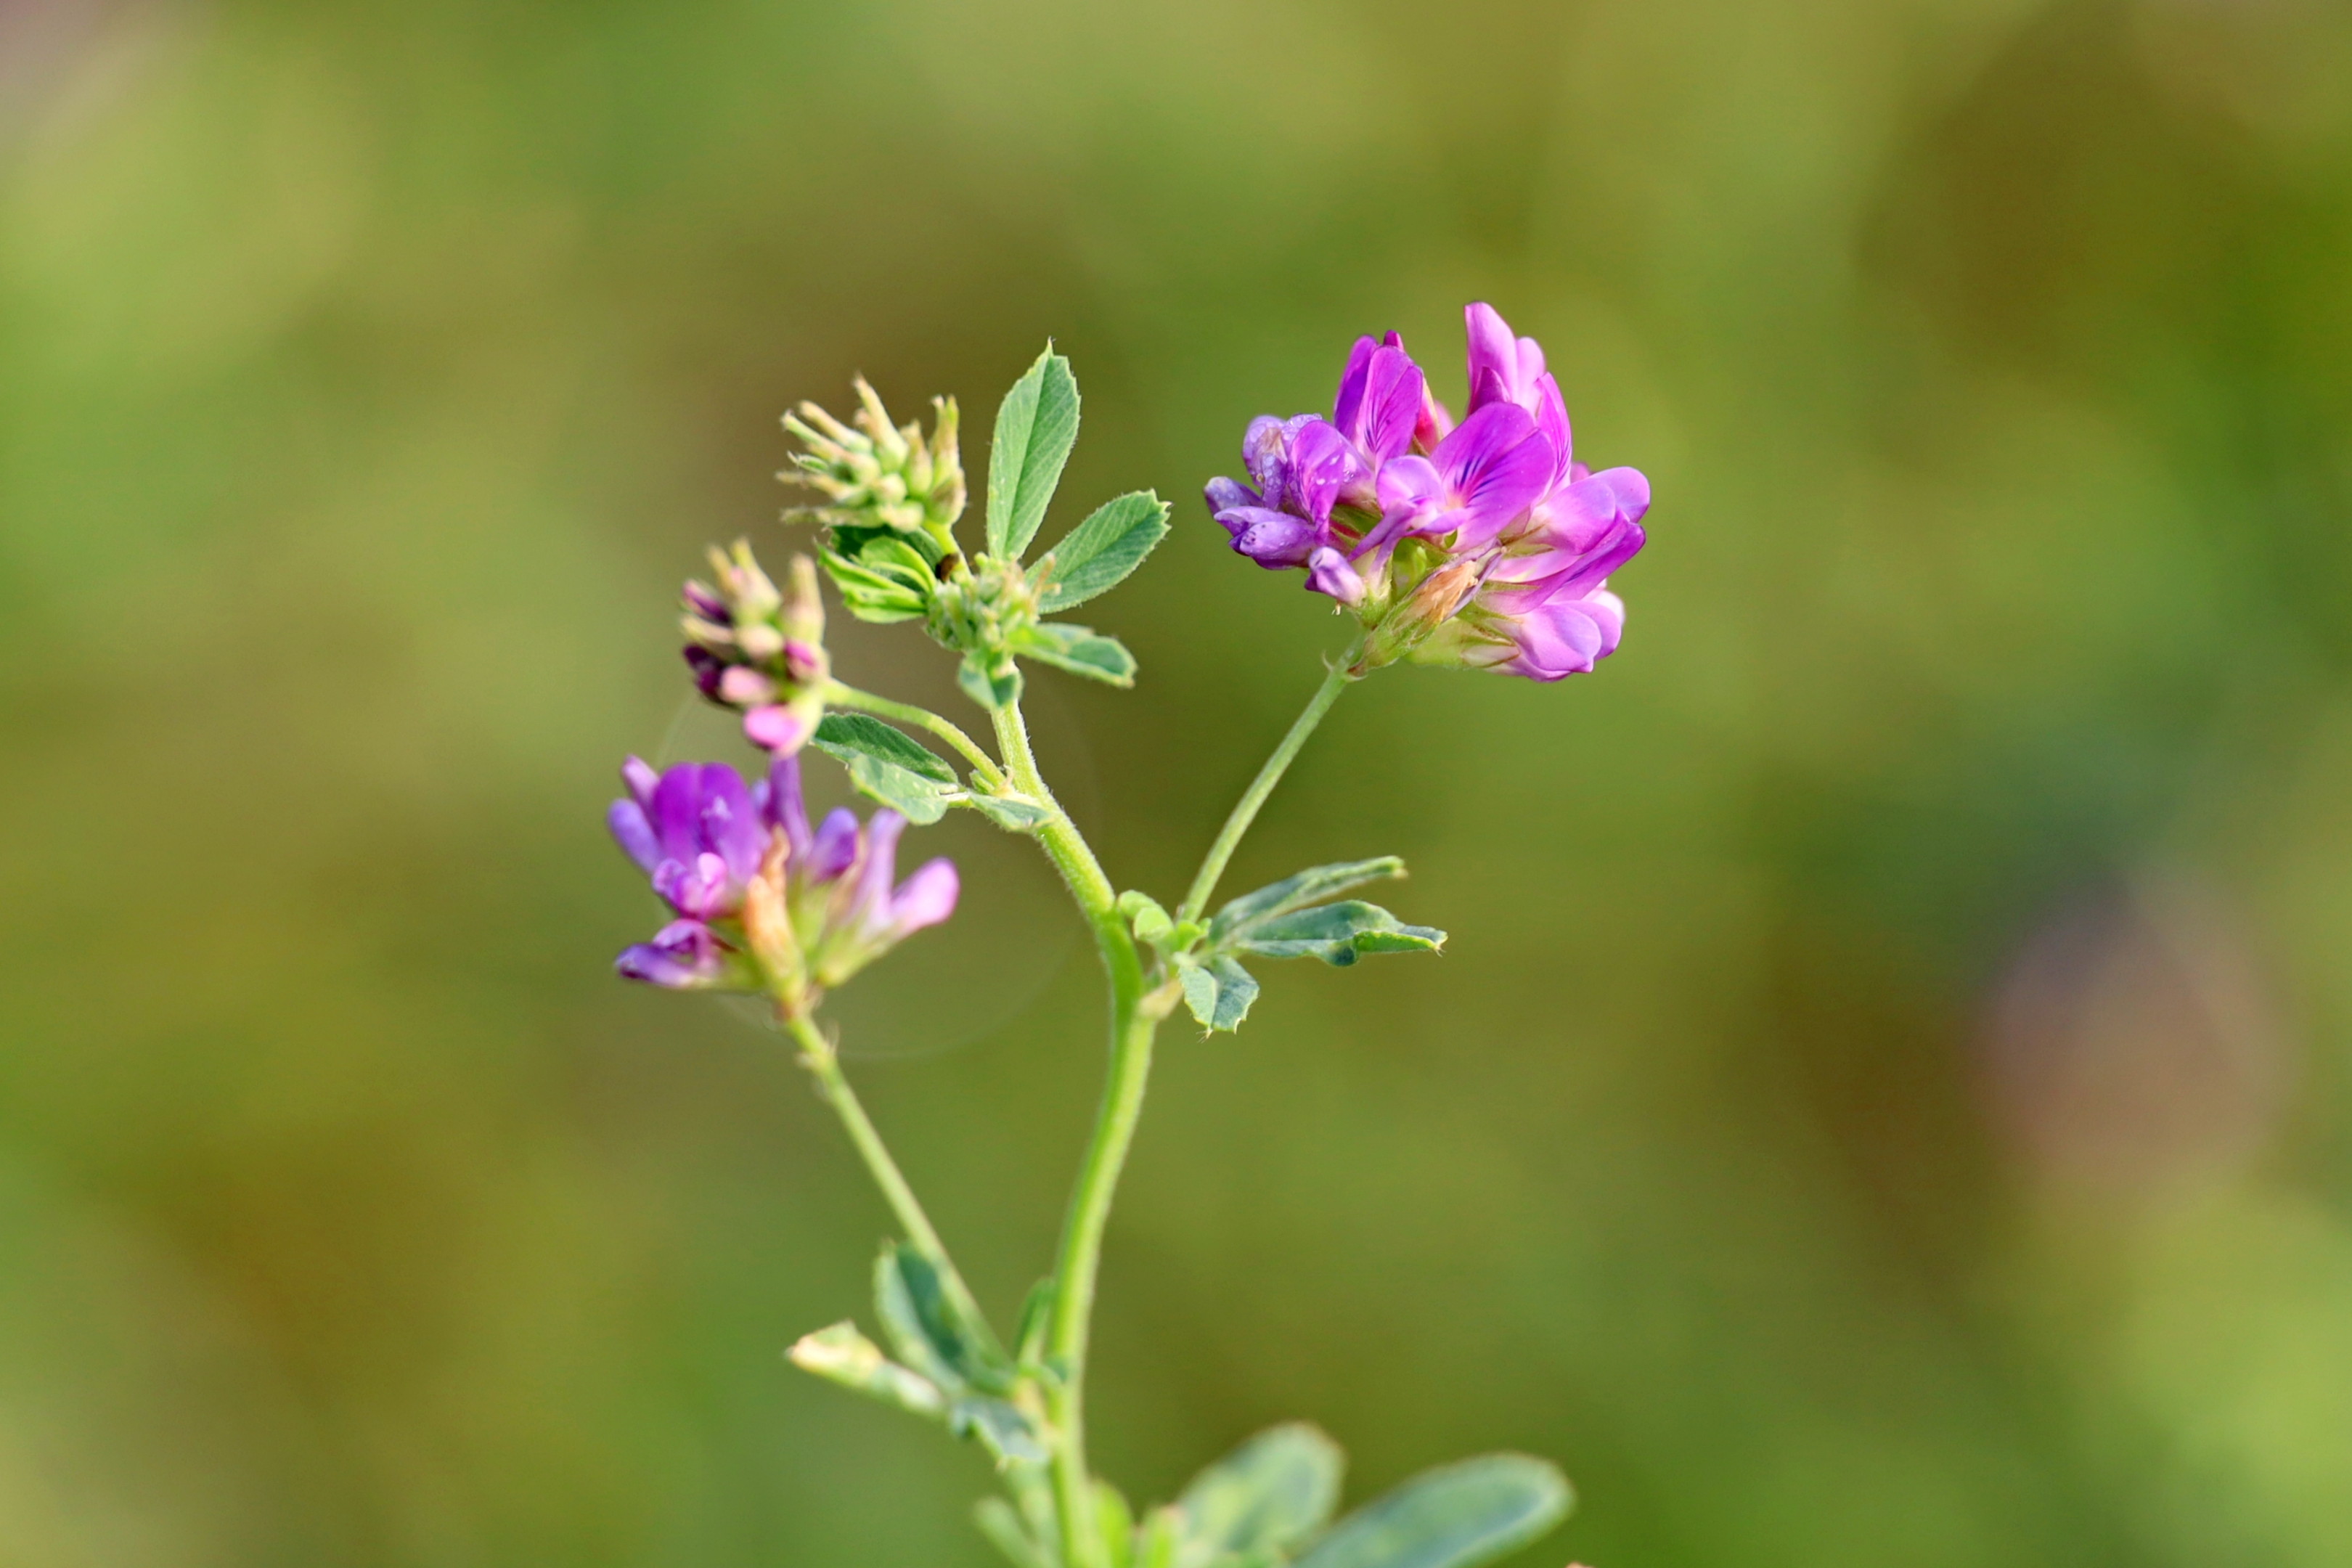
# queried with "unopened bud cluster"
point(758, 650)
point(874, 474)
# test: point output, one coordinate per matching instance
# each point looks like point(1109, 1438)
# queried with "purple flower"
point(1483, 545)
point(764, 901)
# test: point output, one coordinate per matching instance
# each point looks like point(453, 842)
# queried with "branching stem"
point(982, 765)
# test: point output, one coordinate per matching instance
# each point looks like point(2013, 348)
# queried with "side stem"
point(824, 1064)
point(1246, 810)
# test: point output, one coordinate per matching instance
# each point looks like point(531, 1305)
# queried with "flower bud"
point(876, 475)
point(757, 649)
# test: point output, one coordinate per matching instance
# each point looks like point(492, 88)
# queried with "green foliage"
point(889, 765)
point(881, 576)
point(1337, 933)
point(1036, 425)
point(1296, 892)
point(1457, 1517)
point(1265, 1497)
point(1012, 811)
point(989, 678)
point(1219, 992)
point(843, 1355)
point(1101, 552)
point(1081, 650)
point(1000, 1522)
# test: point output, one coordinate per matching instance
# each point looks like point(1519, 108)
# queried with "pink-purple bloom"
point(712, 846)
point(1482, 545)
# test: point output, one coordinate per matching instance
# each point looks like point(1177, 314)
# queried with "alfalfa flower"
point(1482, 545)
point(757, 650)
point(764, 902)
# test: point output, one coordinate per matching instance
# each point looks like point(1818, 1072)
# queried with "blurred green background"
point(1886, 1098)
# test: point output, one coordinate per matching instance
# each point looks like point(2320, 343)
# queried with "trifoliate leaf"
point(1458, 1516)
point(1013, 813)
point(1337, 933)
point(991, 688)
point(1081, 650)
point(922, 1325)
point(1268, 1495)
point(1036, 425)
point(999, 1427)
point(1308, 887)
point(889, 765)
point(1099, 553)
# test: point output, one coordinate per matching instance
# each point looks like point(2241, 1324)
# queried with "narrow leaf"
point(843, 1355)
point(1036, 1318)
point(1036, 425)
point(1311, 885)
point(1099, 553)
point(1337, 933)
point(1080, 650)
point(888, 765)
point(1457, 1517)
point(1000, 1522)
point(1268, 1495)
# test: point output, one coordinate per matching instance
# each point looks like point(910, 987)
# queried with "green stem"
point(1246, 810)
point(1132, 1024)
point(824, 1063)
point(841, 696)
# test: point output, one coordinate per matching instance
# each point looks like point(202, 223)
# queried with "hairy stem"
point(824, 1064)
point(841, 696)
point(1246, 810)
point(1132, 1027)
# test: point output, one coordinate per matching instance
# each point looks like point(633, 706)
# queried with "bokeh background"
point(1886, 1098)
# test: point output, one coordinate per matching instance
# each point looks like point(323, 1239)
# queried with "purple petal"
point(696, 890)
point(707, 669)
point(633, 834)
point(1273, 539)
point(1434, 422)
point(1495, 467)
point(869, 902)
point(640, 780)
point(1390, 406)
point(1327, 572)
point(1266, 453)
point(1322, 463)
point(739, 686)
point(1566, 637)
point(925, 898)
point(1410, 484)
point(731, 823)
point(783, 806)
point(1494, 357)
point(834, 850)
point(1223, 495)
point(1349, 401)
point(683, 955)
point(707, 604)
point(777, 729)
point(1551, 419)
point(677, 813)
point(1526, 581)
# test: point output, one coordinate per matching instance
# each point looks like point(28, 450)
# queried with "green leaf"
point(1000, 1522)
point(1000, 1427)
point(871, 595)
point(843, 1355)
point(991, 688)
point(1457, 1517)
point(1311, 885)
point(922, 1325)
point(1115, 1523)
point(889, 765)
point(1081, 650)
point(1267, 1496)
point(1160, 1538)
point(1218, 993)
point(1337, 933)
point(1099, 553)
point(1036, 425)
point(1013, 813)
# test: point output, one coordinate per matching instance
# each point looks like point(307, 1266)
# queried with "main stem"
point(824, 1064)
point(1246, 810)
point(1132, 1025)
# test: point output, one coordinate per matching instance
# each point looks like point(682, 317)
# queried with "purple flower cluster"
point(1483, 545)
point(720, 852)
